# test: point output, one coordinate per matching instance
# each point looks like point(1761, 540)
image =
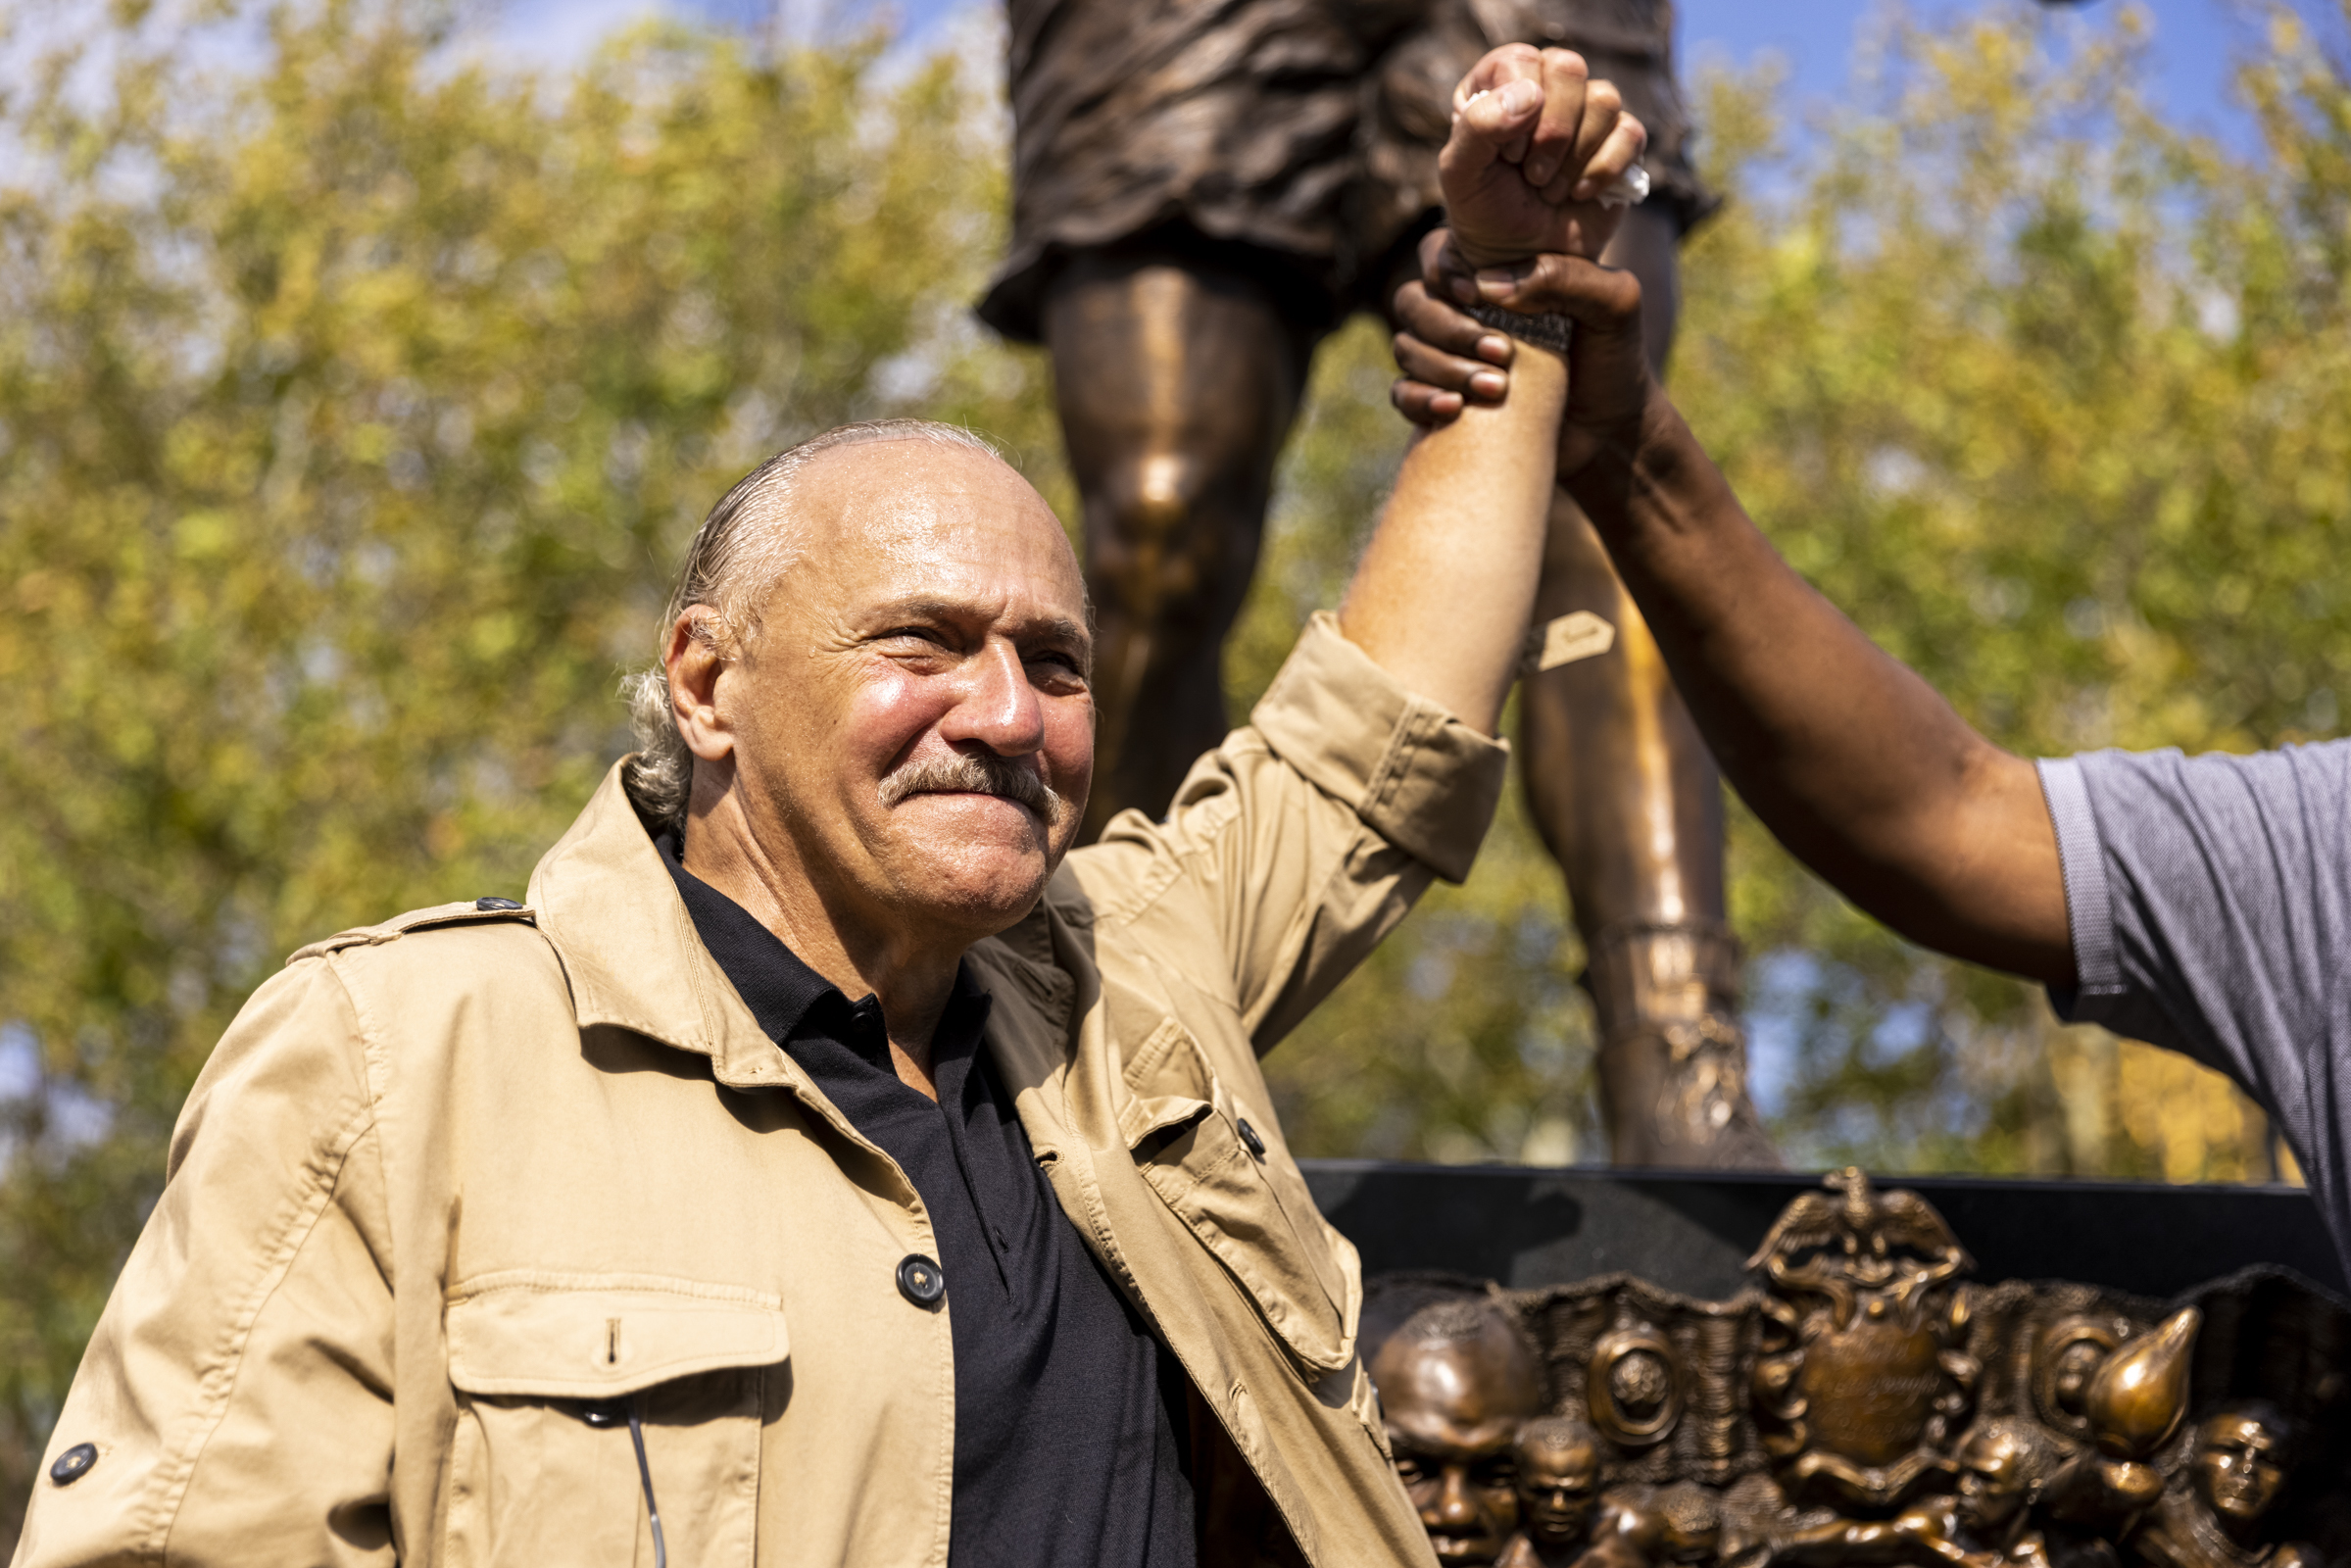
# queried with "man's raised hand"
point(1534, 143)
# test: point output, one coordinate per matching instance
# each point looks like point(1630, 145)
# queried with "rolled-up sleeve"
point(1415, 774)
point(1293, 847)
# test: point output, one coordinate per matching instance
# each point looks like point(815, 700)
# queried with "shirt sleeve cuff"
point(1415, 774)
point(2088, 902)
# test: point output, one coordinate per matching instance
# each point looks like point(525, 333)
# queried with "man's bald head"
point(755, 533)
point(745, 547)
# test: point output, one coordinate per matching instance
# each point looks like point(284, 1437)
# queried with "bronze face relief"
point(1558, 1487)
point(1866, 1402)
point(2243, 1459)
point(1456, 1383)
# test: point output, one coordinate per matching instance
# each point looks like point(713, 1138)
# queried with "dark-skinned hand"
point(1448, 359)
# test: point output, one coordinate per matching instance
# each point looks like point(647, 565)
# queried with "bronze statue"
point(1558, 1491)
point(1866, 1402)
point(2212, 1515)
point(2001, 1468)
point(1651, 1527)
point(1563, 1522)
point(1200, 195)
point(1456, 1382)
point(1863, 1369)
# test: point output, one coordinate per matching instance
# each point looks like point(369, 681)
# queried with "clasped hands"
point(1536, 145)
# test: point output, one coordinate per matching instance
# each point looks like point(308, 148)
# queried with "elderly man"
point(2199, 902)
point(822, 1167)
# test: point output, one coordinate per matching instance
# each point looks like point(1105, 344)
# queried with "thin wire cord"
point(636, 1435)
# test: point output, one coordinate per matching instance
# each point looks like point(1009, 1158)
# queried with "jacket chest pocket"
point(1218, 1166)
point(548, 1370)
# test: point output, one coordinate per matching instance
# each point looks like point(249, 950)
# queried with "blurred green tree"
point(355, 398)
point(355, 401)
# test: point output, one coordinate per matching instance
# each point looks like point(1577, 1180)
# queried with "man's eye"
point(1497, 1473)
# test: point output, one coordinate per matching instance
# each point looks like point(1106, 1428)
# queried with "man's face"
point(935, 612)
point(2239, 1465)
point(1557, 1487)
point(1453, 1410)
point(1992, 1484)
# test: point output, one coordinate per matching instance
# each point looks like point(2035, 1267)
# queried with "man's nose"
point(998, 706)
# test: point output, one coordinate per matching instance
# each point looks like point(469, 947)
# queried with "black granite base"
point(1692, 1231)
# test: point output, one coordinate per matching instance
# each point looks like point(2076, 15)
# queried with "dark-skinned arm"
point(1858, 766)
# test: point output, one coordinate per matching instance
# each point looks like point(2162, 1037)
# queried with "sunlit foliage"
point(355, 395)
point(354, 402)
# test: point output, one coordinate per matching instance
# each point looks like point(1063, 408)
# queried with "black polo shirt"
point(1069, 1414)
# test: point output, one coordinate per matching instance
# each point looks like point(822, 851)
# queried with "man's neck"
point(910, 978)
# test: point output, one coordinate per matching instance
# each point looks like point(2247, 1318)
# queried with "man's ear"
point(695, 663)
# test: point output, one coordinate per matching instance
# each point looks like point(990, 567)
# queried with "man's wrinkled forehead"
point(909, 517)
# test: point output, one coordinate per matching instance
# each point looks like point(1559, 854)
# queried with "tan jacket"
point(447, 1177)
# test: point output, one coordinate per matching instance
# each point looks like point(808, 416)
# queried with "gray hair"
point(738, 555)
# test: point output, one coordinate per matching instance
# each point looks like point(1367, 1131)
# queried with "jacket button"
point(1249, 1136)
point(75, 1463)
point(921, 1280)
point(488, 905)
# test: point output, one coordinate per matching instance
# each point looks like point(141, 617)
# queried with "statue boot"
point(1672, 1054)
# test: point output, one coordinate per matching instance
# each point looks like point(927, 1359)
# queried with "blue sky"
point(2196, 42)
point(2195, 45)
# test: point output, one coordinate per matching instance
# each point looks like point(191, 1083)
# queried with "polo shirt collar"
point(775, 983)
point(603, 897)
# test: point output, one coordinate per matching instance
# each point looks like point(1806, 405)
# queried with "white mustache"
point(964, 772)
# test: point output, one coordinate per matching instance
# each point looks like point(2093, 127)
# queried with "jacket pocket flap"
point(554, 1336)
point(1231, 1196)
point(1167, 1085)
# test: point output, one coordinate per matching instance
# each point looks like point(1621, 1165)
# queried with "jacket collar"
point(606, 902)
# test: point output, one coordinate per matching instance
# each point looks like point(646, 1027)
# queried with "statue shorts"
point(1305, 131)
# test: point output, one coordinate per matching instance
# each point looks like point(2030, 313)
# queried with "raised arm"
point(1858, 766)
point(1445, 588)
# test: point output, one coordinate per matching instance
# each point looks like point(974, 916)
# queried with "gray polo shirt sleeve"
point(2210, 901)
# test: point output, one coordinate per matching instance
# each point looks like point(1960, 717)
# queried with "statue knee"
point(1157, 544)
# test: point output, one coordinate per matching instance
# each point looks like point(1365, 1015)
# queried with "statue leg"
point(1177, 381)
point(1628, 799)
